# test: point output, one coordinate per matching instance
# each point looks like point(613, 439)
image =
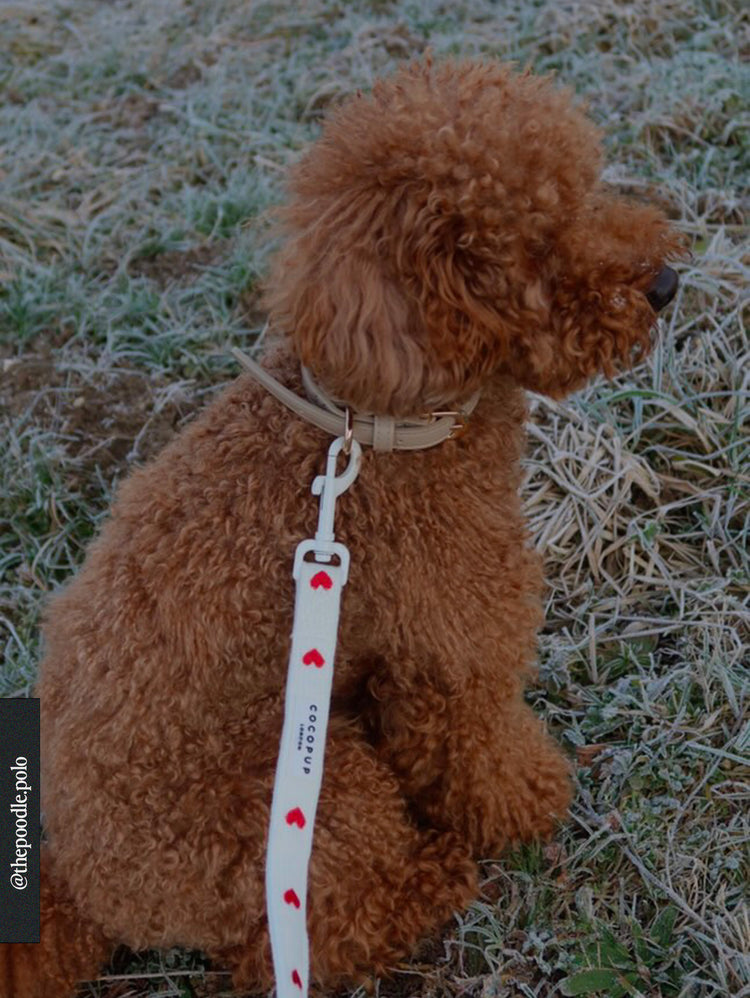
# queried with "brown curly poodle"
point(447, 233)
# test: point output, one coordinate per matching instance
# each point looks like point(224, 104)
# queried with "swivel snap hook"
point(330, 486)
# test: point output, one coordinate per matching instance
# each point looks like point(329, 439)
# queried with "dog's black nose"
point(663, 289)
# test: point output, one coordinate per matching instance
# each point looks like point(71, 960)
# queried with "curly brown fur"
point(447, 233)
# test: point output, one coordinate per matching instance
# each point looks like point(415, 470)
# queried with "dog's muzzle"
point(663, 289)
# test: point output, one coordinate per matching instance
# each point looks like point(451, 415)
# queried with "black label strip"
point(19, 820)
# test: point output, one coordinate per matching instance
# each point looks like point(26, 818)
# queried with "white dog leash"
point(299, 770)
point(319, 582)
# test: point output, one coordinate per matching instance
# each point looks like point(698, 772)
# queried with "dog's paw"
point(517, 791)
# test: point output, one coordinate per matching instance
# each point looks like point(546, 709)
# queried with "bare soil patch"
point(102, 420)
point(175, 266)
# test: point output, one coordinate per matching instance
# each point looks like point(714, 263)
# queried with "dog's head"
point(452, 226)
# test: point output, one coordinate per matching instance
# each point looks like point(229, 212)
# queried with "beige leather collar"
point(383, 433)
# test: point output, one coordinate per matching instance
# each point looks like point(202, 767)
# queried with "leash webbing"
point(299, 771)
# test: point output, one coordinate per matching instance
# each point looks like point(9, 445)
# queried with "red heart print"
point(296, 979)
point(290, 897)
point(321, 579)
point(295, 817)
point(313, 657)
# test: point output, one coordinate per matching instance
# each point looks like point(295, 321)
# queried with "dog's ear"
point(386, 302)
point(349, 324)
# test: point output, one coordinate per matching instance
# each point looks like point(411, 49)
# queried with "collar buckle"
point(461, 417)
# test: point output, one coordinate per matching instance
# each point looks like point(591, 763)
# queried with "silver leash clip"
point(329, 487)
